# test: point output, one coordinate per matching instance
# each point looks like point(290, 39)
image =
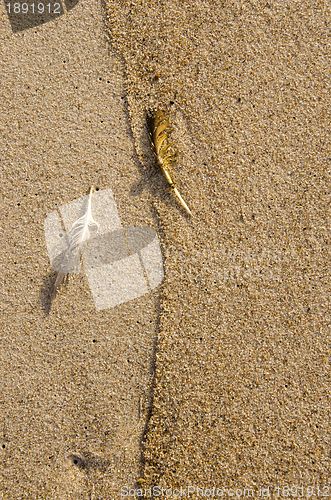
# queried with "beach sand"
point(222, 371)
point(75, 382)
point(241, 373)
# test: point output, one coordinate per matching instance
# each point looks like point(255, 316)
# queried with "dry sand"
point(239, 394)
point(75, 383)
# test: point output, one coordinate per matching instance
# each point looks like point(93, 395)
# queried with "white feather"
point(80, 232)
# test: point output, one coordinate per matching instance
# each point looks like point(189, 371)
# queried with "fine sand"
point(219, 377)
point(75, 383)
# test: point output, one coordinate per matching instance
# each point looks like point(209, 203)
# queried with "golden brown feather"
point(165, 154)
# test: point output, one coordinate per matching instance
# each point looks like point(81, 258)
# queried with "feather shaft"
point(181, 201)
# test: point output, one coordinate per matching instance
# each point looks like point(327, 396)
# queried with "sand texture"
point(75, 383)
point(222, 372)
point(241, 375)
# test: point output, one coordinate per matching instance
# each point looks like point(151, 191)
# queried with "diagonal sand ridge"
point(240, 376)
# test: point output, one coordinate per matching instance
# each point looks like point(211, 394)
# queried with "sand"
point(75, 382)
point(235, 395)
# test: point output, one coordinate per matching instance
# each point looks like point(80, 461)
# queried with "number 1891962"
point(34, 8)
